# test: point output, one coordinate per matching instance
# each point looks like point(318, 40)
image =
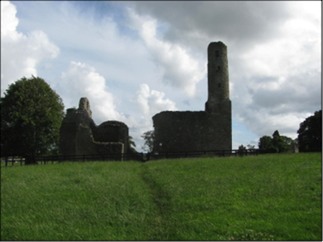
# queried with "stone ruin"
point(175, 132)
point(79, 135)
point(208, 130)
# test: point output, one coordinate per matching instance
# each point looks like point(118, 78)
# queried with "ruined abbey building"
point(79, 135)
point(208, 130)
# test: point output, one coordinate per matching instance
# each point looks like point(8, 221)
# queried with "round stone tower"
point(218, 77)
point(205, 131)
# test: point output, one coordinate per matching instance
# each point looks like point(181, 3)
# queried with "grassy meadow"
point(265, 197)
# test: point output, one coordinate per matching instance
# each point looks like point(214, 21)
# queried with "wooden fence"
point(12, 161)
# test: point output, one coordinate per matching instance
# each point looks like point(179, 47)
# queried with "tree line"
point(32, 113)
point(309, 138)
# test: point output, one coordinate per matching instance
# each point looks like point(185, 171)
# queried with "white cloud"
point(9, 21)
point(152, 102)
point(278, 84)
point(178, 68)
point(82, 80)
point(20, 53)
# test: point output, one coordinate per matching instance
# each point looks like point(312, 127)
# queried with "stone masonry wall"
point(192, 131)
point(79, 135)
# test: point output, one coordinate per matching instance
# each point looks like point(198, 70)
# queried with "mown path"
point(161, 228)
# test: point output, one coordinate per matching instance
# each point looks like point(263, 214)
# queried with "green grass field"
point(265, 197)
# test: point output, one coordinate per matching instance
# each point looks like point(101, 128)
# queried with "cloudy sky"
point(135, 59)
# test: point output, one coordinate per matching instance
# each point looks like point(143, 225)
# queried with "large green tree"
point(310, 133)
point(31, 115)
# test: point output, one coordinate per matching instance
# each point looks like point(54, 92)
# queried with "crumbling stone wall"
point(208, 130)
point(79, 135)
